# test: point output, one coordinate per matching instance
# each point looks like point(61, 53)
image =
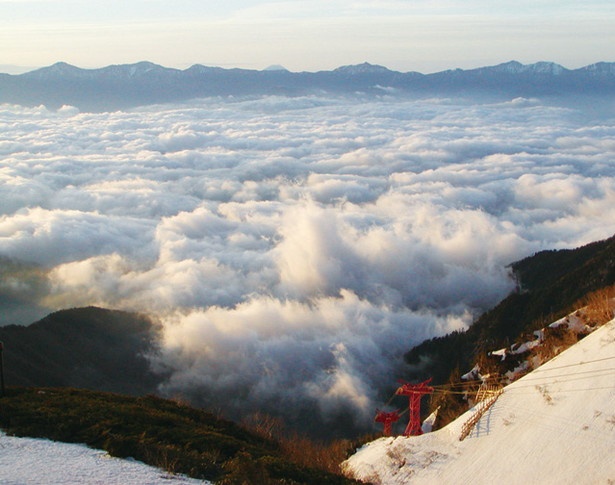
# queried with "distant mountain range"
point(131, 85)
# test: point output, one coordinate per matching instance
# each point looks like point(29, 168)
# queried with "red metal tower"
point(415, 392)
point(387, 419)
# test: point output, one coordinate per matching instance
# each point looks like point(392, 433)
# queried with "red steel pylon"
point(415, 392)
point(387, 419)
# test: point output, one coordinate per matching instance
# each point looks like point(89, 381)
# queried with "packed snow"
point(555, 425)
point(38, 461)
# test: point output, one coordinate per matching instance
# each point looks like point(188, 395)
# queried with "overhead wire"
point(451, 388)
point(582, 362)
point(467, 387)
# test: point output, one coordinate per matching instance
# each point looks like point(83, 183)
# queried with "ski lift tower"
point(414, 392)
point(387, 419)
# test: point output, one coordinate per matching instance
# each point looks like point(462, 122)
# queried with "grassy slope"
point(154, 430)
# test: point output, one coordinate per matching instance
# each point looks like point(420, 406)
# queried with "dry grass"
point(595, 309)
point(323, 456)
point(599, 306)
point(301, 450)
point(264, 425)
point(555, 341)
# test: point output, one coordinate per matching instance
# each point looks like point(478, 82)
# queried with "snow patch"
point(33, 460)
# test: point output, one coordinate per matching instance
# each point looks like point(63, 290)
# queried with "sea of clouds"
point(294, 248)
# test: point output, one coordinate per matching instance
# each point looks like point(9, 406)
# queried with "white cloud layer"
point(296, 248)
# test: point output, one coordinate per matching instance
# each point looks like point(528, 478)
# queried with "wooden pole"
point(1, 370)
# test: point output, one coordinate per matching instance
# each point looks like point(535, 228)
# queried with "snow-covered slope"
point(36, 461)
point(556, 425)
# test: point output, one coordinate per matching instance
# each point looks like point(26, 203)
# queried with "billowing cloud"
point(295, 248)
point(322, 358)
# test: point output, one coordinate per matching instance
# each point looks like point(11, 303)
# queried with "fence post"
point(1, 370)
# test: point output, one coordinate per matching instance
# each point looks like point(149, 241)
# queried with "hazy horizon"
point(404, 36)
point(17, 69)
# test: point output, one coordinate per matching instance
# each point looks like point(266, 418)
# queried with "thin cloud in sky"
point(423, 36)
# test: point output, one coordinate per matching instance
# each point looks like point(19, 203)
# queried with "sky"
point(294, 248)
point(404, 35)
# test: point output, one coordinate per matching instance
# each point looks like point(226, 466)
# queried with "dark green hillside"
point(550, 284)
point(591, 265)
point(157, 431)
point(86, 347)
point(17, 300)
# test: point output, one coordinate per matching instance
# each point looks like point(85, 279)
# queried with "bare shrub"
point(595, 309)
point(180, 400)
point(301, 450)
point(244, 469)
point(599, 306)
point(264, 425)
point(555, 340)
point(165, 457)
point(488, 364)
point(309, 453)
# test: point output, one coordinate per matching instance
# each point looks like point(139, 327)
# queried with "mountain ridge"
point(512, 66)
point(130, 85)
point(91, 348)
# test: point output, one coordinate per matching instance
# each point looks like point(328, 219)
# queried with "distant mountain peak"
point(510, 66)
point(515, 67)
point(201, 69)
point(61, 66)
point(144, 66)
point(57, 70)
point(275, 67)
point(141, 68)
point(365, 68)
point(546, 68)
point(600, 68)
